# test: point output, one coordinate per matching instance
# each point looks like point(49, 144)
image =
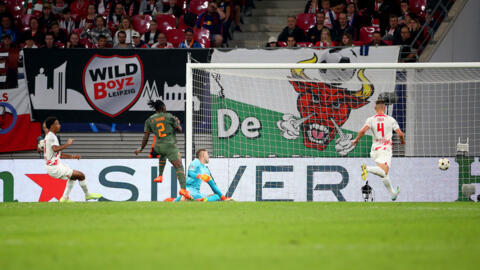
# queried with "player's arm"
point(401, 135)
point(178, 127)
point(146, 135)
point(68, 156)
point(360, 134)
point(57, 148)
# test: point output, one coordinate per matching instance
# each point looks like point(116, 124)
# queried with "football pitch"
point(261, 235)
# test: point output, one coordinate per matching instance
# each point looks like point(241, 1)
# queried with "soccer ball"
point(443, 164)
point(337, 55)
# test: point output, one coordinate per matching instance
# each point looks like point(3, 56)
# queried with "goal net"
point(284, 131)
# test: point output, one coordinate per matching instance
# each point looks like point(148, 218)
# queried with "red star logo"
point(51, 187)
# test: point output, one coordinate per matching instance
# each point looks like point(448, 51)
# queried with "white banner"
point(292, 179)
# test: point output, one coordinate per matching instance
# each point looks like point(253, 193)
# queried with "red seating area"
point(168, 23)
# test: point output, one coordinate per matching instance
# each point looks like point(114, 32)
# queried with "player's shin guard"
point(376, 170)
point(68, 188)
point(388, 185)
point(180, 172)
point(214, 187)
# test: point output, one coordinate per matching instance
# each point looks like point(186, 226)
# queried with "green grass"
point(152, 235)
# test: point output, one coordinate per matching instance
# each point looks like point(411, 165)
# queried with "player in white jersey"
point(56, 169)
point(382, 127)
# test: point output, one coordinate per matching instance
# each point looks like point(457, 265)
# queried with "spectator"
point(127, 28)
point(218, 42)
point(291, 43)
point(74, 41)
point(210, 20)
point(131, 7)
point(137, 41)
point(151, 36)
point(173, 8)
point(354, 20)
point(58, 6)
point(272, 42)
point(311, 7)
point(406, 54)
point(162, 42)
point(415, 32)
point(341, 27)
point(47, 17)
point(225, 9)
point(189, 41)
point(377, 39)
point(6, 28)
point(237, 9)
point(404, 12)
point(89, 20)
point(292, 30)
point(49, 41)
point(151, 7)
point(381, 10)
point(330, 16)
point(325, 40)
point(347, 40)
point(115, 18)
point(122, 38)
point(6, 42)
point(58, 33)
point(99, 30)
point(29, 43)
point(4, 11)
point(79, 8)
point(104, 7)
point(35, 32)
point(67, 23)
point(313, 34)
point(101, 42)
point(34, 7)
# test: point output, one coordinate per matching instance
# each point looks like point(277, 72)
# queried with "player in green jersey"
point(164, 125)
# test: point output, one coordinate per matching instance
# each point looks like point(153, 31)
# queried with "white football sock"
point(388, 185)
point(83, 185)
point(376, 170)
point(68, 188)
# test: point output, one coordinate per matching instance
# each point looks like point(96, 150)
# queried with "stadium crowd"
point(120, 23)
point(329, 23)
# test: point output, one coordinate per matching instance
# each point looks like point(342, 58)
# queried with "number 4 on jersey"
point(381, 129)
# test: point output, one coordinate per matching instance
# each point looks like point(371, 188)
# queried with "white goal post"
point(267, 110)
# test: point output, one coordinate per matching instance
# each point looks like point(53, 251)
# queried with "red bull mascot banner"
point(308, 112)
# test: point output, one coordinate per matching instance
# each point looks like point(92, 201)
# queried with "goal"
point(284, 131)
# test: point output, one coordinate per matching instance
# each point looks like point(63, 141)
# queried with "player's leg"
point(78, 175)
point(214, 188)
point(176, 160)
point(162, 160)
point(376, 156)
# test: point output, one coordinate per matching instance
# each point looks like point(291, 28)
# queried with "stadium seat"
point(366, 33)
point(15, 7)
point(198, 6)
point(358, 43)
point(388, 42)
point(304, 44)
point(305, 21)
point(202, 36)
point(166, 22)
point(181, 23)
point(282, 44)
point(25, 20)
point(141, 23)
point(418, 6)
point(175, 36)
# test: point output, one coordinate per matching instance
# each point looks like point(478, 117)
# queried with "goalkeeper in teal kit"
point(198, 173)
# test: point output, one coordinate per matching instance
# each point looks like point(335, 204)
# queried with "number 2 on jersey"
point(380, 128)
point(161, 127)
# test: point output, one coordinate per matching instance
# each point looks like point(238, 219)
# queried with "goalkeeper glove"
point(205, 177)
